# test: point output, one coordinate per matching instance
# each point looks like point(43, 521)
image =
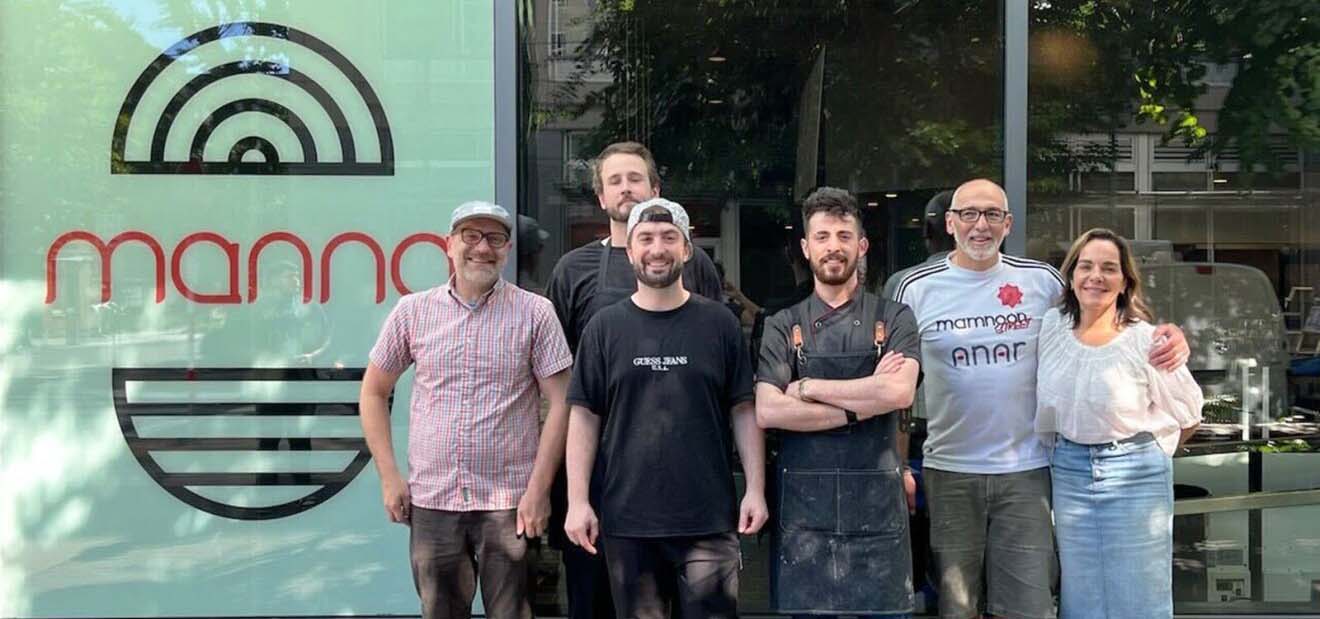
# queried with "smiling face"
point(658, 252)
point(1097, 279)
point(979, 239)
point(833, 246)
point(478, 264)
point(625, 180)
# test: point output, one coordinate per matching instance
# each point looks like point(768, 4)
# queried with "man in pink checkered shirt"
point(479, 475)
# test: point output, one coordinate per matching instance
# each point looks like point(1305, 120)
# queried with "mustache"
point(830, 256)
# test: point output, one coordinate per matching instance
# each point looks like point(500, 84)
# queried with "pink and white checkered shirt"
point(474, 416)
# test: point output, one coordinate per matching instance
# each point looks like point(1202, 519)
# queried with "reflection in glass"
point(1169, 128)
point(747, 107)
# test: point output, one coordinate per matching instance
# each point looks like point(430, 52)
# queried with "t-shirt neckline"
point(990, 272)
point(659, 313)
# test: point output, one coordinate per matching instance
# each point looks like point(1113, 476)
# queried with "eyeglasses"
point(473, 237)
point(970, 215)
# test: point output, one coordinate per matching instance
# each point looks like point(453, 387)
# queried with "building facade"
point(208, 208)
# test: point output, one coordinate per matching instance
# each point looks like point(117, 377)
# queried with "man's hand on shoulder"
point(1170, 350)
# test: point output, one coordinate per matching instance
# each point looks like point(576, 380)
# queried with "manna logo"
point(160, 429)
point(267, 69)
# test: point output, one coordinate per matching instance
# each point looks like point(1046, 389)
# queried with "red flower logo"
point(1010, 295)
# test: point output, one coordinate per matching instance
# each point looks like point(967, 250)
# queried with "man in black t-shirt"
point(584, 281)
point(662, 386)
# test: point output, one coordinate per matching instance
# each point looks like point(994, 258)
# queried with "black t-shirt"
point(835, 330)
point(663, 384)
point(573, 283)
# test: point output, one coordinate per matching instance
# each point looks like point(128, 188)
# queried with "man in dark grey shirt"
point(833, 369)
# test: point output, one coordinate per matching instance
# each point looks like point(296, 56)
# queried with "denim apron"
point(841, 541)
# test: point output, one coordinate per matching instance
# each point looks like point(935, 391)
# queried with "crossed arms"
point(815, 404)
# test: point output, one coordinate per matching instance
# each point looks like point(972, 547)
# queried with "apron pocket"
point(884, 563)
point(808, 501)
point(871, 503)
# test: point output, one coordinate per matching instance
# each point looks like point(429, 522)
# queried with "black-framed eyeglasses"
point(473, 237)
point(970, 215)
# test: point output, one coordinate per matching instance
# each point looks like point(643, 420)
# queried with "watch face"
point(177, 420)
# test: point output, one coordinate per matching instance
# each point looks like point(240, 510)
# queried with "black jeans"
point(451, 550)
point(683, 577)
point(587, 584)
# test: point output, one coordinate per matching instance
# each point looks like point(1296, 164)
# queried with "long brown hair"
point(1131, 301)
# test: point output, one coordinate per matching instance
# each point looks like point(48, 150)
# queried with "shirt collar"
point(824, 309)
point(482, 300)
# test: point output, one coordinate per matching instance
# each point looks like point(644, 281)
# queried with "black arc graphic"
point(180, 485)
point(273, 165)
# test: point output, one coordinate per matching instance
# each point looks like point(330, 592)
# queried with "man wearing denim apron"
point(833, 369)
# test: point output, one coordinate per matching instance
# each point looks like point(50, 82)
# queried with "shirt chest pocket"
point(499, 351)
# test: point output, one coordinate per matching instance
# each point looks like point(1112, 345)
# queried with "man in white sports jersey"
point(986, 474)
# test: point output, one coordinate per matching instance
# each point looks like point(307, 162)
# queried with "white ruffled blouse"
point(1097, 394)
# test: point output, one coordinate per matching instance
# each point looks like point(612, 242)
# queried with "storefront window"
point(207, 209)
point(1180, 131)
point(747, 107)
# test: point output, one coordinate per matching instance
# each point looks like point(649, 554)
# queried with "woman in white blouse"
point(1114, 422)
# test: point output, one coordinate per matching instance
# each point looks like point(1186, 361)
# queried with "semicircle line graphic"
point(320, 486)
point(120, 164)
point(271, 108)
point(245, 67)
point(250, 143)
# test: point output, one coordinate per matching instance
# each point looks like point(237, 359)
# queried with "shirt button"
point(857, 323)
point(817, 324)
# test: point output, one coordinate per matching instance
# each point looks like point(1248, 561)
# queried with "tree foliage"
point(913, 89)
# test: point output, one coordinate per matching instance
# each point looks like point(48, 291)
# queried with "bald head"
point(978, 220)
point(980, 192)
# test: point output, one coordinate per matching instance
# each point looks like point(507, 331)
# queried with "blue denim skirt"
point(1113, 515)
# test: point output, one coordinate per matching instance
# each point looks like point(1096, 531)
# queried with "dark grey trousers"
point(452, 550)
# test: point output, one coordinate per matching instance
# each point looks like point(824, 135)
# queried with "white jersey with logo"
point(978, 348)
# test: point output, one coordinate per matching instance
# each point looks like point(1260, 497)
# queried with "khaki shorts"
point(993, 533)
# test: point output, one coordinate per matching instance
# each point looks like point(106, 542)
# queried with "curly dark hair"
point(832, 201)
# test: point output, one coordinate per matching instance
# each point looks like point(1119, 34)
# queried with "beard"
point(480, 277)
point(620, 212)
point(823, 273)
point(979, 254)
point(658, 280)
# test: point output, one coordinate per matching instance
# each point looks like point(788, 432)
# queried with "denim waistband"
point(1140, 438)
